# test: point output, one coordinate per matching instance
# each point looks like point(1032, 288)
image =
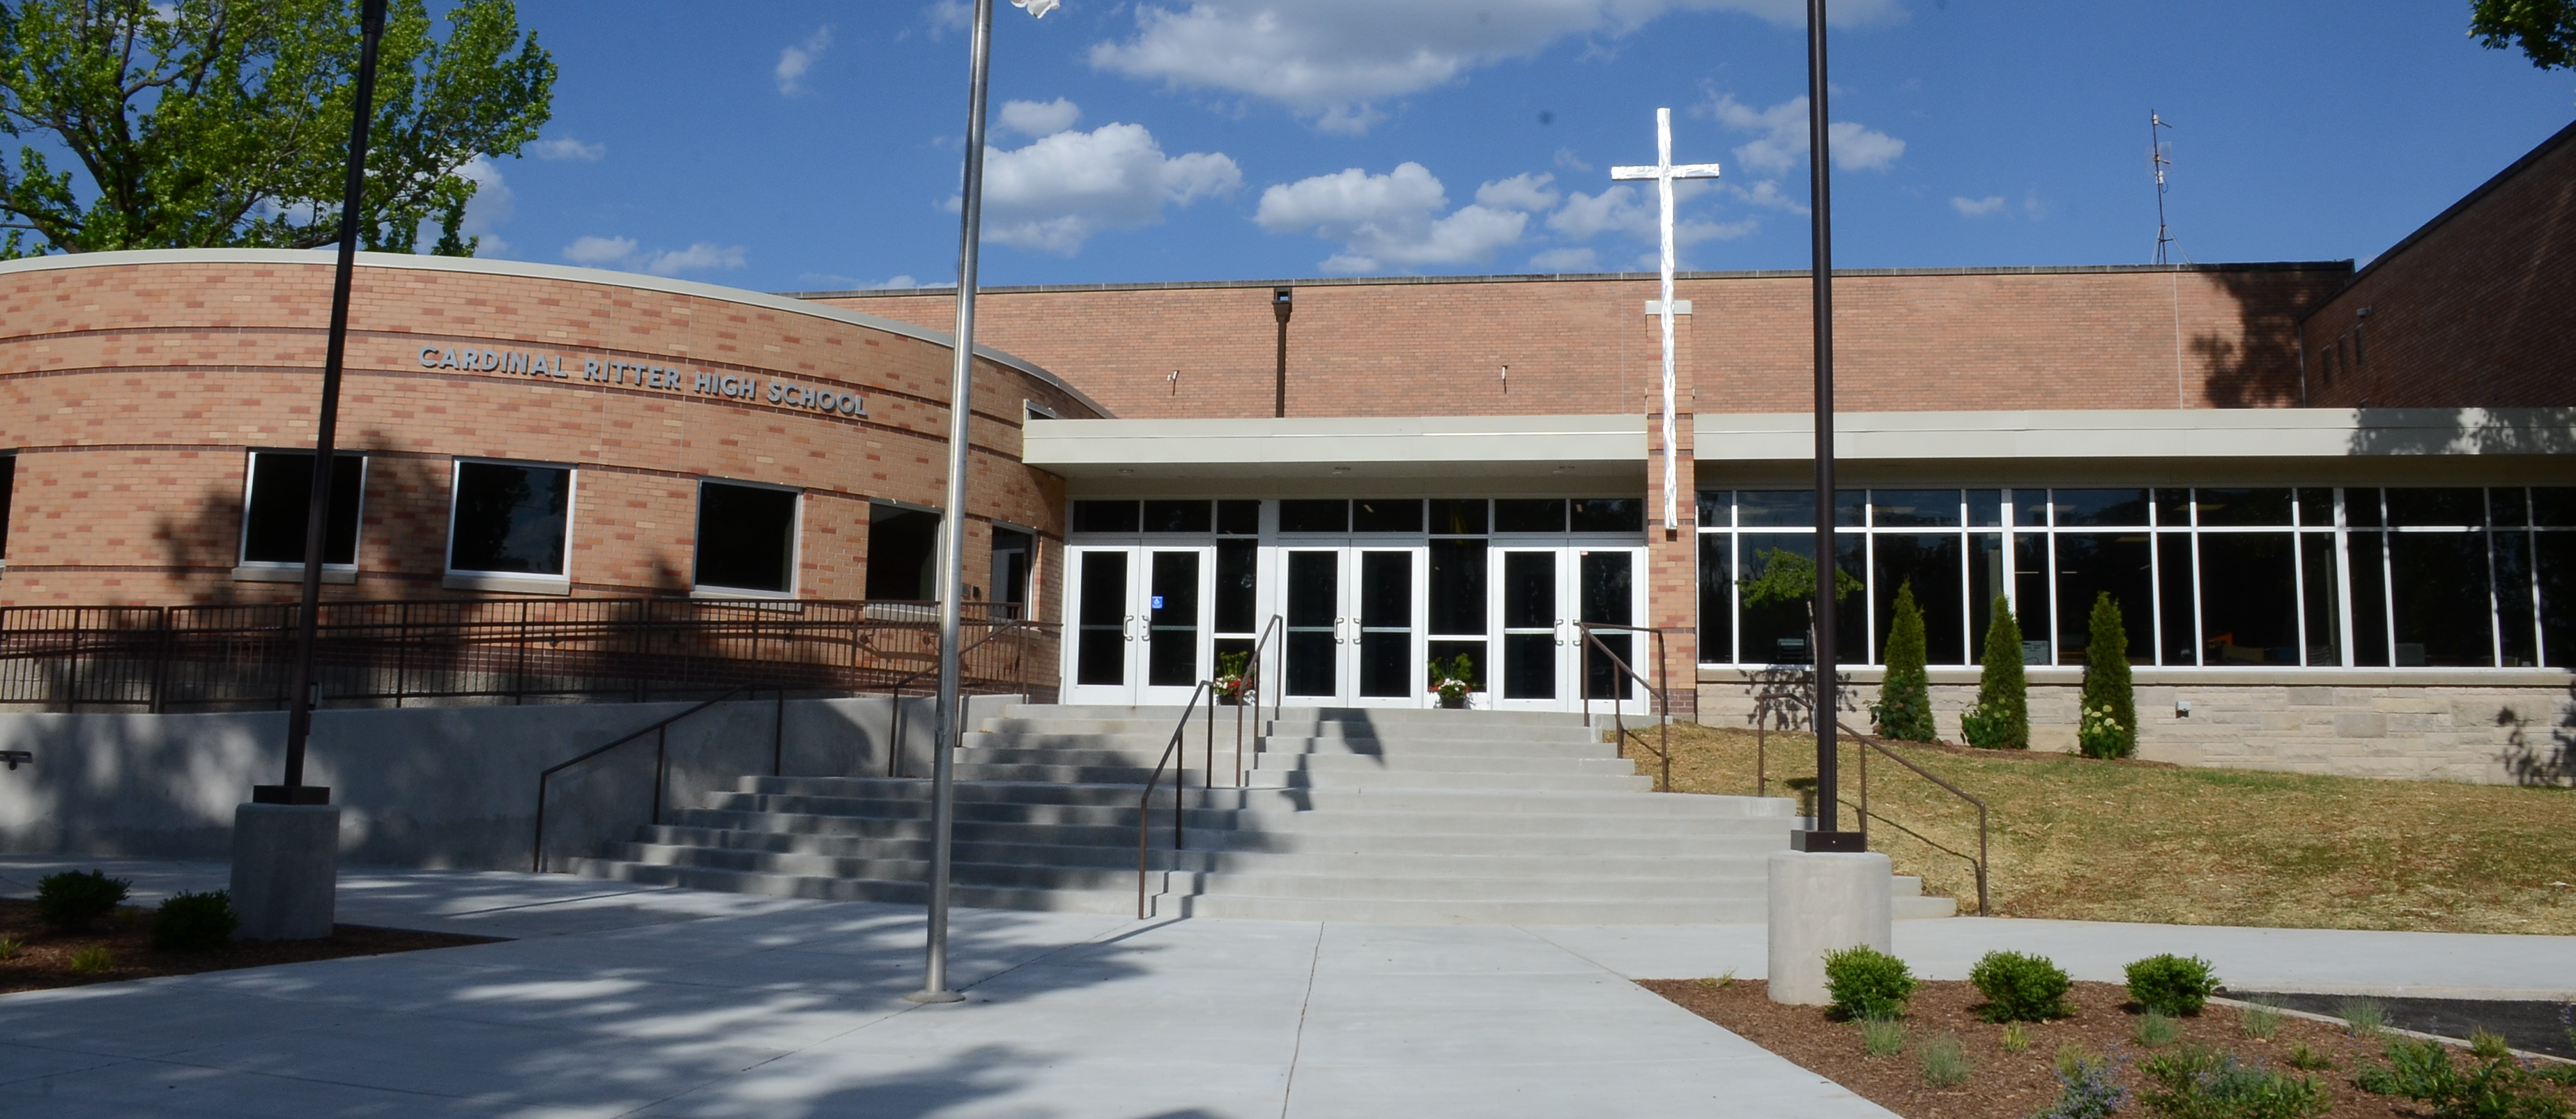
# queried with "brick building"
point(2335, 508)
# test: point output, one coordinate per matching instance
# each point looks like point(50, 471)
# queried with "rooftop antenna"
point(2156, 127)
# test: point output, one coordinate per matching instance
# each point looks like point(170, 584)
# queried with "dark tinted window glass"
point(2553, 507)
point(2505, 508)
point(746, 537)
point(2316, 508)
point(1985, 585)
point(1105, 516)
point(2556, 561)
point(2244, 507)
point(1236, 585)
point(2091, 564)
point(2514, 628)
point(2318, 593)
point(1518, 514)
point(1930, 564)
point(1717, 598)
point(1177, 516)
point(903, 553)
point(1314, 516)
point(2438, 592)
point(8, 478)
point(1455, 517)
point(2181, 638)
point(281, 489)
point(2031, 589)
point(1913, 508)
point(1457, 586)
point(1985, 508)
point(2029, 508)
point(1380, 515)
point(2173, 508)
point(1786, 508)
point(510, 518)
point(2437, 508)
point(2369, 597)
point(2361, 508)
point(1100, 652)
point(1716, 508)
point(2249, 613)
point(1775, 630)
point(1610, 514)
point(1014, 561)
point(1238, 518)
point(2100, 507)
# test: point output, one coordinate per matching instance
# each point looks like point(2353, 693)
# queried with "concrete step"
point(822, 888)
point(1465, 912)
point(1448, 782)
point(1440, 764)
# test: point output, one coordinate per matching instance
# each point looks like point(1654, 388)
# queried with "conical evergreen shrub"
point(2108, 727)
point(1904, 707)
point(2000, 720)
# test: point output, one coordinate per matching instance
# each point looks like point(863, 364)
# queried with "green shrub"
point(2088, 1086)
point(2020, 988)
point(2110, 705)
point(71, 900)
point(2497, 1087)
point(1881, 1037)
point(1945, 1062)
point(194, 922)
point(92, 960)
point(2198, 1083)
point(2260, 1020)
point(1867, 983)
point(2170, 984)
point(2155, 1031)
point(2000, 718)
point(1904, 708)
point(2306, 1059)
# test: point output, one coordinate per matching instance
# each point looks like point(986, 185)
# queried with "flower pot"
point(1453, 702)
point(1228, 699)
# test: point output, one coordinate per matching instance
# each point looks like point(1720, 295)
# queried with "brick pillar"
point(1672, 551)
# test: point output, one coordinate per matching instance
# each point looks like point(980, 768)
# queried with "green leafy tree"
point(1790, 577)
point(204, 123)
point(1904, 707)
point(2000, 719)
point(2109, 723)
point(2544, 29)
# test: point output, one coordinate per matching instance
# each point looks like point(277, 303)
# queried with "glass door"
point(1387, 652)
point(1140, 625)
point(1175, 650)
point(1606, 593)
point(1315, 619)
point(1105, 628)
point(1533, 630)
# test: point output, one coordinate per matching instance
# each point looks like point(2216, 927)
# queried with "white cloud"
point(1566, 260)
point(798, 58)
point(1782, 143)
point(1589, 215)
point(1978, 207)
point(490, 206)
point(1520, 192)
point(1054, 194)
point(565, 147)
point(1040, 118)
point(1390, 220)
point(1328, 60)
point(599, 252)
point(1566, 158)
point(949, 15)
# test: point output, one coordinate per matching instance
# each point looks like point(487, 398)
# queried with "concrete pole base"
point(1823, 902)
point(286, 870)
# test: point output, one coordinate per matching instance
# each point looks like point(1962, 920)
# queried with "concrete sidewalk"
point(666, 1002)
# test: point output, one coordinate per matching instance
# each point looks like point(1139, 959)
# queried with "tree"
point(1904, 708)
point(1790, 577)
point(2000, 719)
point(2108, 723)
point(203, 123)
point(2544, 29)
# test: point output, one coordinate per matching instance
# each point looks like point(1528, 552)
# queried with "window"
point(1104, 516)
point(512, 521)
point(1176, 516)
point(1014, 563)
point(746, 537)
point(1314, 516)
point(8, 478)
point(903, 552)
point(277, 502)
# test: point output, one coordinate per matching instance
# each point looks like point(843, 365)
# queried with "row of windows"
point(1438, 516)
point(2237, 576)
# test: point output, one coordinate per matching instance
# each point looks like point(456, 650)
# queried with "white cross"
point(1664, 171)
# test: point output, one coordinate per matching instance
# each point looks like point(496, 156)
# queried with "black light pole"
point(1827, 836)
point(1283, 302)
point(317, 515)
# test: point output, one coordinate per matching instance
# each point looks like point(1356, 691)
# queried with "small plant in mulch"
point(1881, 1037)
point(1866, 983)
point(2020, 988)
point(2196, 1082)
point(2177, 986)
point(2259, 1020)
point(71, 901)
point(2016, 1038)
point(93, 960)
point(192, 922)
point(1945, 1062)
point(9, 948)
point(2363, 1017)
point(2493, 1085)
point(2088, 1085)
point(2155, 1031)
point(2307, 1058)
point(1717, 982)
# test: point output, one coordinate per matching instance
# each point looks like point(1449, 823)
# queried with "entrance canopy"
point(1496, 449)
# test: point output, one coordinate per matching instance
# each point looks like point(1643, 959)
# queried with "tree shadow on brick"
point(2550, 764)
point(2258, 367)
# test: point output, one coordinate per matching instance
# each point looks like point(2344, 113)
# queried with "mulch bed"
point(44, 959)
point(2010, 1085)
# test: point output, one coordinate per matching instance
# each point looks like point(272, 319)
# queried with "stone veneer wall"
point(2372, 725)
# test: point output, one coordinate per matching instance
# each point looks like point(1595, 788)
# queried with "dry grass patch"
point(2143, 841)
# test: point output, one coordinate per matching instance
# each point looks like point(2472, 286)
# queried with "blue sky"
point(792, 145)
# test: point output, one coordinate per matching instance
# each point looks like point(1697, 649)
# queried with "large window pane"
point(1797, 508)
point(2249, 602)
point(2319, 594)
point(903, 554)
point(510, 519)
point(747, 538)
point(281, 500)
point(1985, 585)
point(1716, 598)
point(1610, 514)
point(2555, 560)
point(1314, 516)
point(1237, 567)
point(1238, 518)
point(1931, 563)
point(1529, 514)
point(2099, 507)
point(1381, 515)
point(2438, 593)
point(1457, 516)
point(1776, 631)
point(1106, 516)
point(1014, 565)
point(2514, 626)
point(2437, 508)
point(1914, 508)
point(2031, 596)
point(2243, 507)
point(2180, 636)
point(1458, 587)
point(2091, 563)
point(8, 480)
point(2367, 564)
point(1177, 516)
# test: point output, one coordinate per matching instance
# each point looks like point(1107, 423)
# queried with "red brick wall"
point(131, 391)
point(2474, 312)
point(1910, 342)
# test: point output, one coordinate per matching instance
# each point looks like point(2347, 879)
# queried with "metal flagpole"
point(1826, 836)
point(317, 514)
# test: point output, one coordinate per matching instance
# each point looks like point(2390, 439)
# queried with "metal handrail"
point(894, 692)
point(1663, 702)
point(1874, 742)
point(1145, 802)
point(661, 761)
point(1249, 696)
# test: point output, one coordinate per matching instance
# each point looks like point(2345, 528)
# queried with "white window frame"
point(247, 570)
point(510, 582)
point(795, 548)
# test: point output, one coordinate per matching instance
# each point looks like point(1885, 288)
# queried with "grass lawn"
point(2142, 841)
